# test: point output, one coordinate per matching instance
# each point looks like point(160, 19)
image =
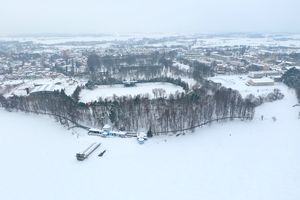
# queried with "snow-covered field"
point(267, 40)
point(229, 161)
point(283, 40)
point(238, 82)
point(106, 91)
point(51, 40)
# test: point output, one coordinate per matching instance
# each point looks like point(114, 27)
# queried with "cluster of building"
point(242, 59)
point(107, 131)
point(30, 60)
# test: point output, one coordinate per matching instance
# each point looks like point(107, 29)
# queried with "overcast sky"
point(148, 16)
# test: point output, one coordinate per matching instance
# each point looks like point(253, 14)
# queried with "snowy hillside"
point(229, 161)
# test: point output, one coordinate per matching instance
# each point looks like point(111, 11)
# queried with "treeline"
point(91, 84)
point(272, 96)
point(292, 79)
point(295, 56)
point(161, 115)
point(174, 81)
point(114, 63)
point(56, 103)
point(199, 69)
point(107, 68)
point(142, 66)
point(110, 81)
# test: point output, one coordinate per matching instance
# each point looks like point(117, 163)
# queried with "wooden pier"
point(87, 152)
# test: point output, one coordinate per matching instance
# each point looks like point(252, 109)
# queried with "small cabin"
point(107, 131)
point(141, 137)
point(107, 128)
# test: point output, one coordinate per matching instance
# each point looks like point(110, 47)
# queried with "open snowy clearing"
point(238, 82)
point(106, 91)
point(229, 161)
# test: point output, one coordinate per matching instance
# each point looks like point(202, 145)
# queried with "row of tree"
point(91, 84)
point(161, 115)
point(148, 66)
point(292, 79)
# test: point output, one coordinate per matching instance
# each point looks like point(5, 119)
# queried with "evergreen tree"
point(149, 133)
point(75, 95)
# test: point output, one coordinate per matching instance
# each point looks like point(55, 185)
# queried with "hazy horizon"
point(132, 16)
point(145, 34)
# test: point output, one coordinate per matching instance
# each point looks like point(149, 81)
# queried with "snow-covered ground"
point(283, 40)
point(51, 40)
point(229, 161)
point(267, 40)
point(190, 81)
point(238, 82)
point(106, 91)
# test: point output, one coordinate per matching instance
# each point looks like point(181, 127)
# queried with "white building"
point(260, 74)
point(261, 82)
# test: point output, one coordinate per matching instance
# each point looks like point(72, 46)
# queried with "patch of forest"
point(142, 67)
point(177, 112)
point(292, 79)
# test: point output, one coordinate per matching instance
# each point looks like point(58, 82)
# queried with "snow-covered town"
point(101, 78)
point(88, 90)
point(150, 99)
point(29, 65)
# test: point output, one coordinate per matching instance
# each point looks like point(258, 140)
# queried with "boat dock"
point(87, 152)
